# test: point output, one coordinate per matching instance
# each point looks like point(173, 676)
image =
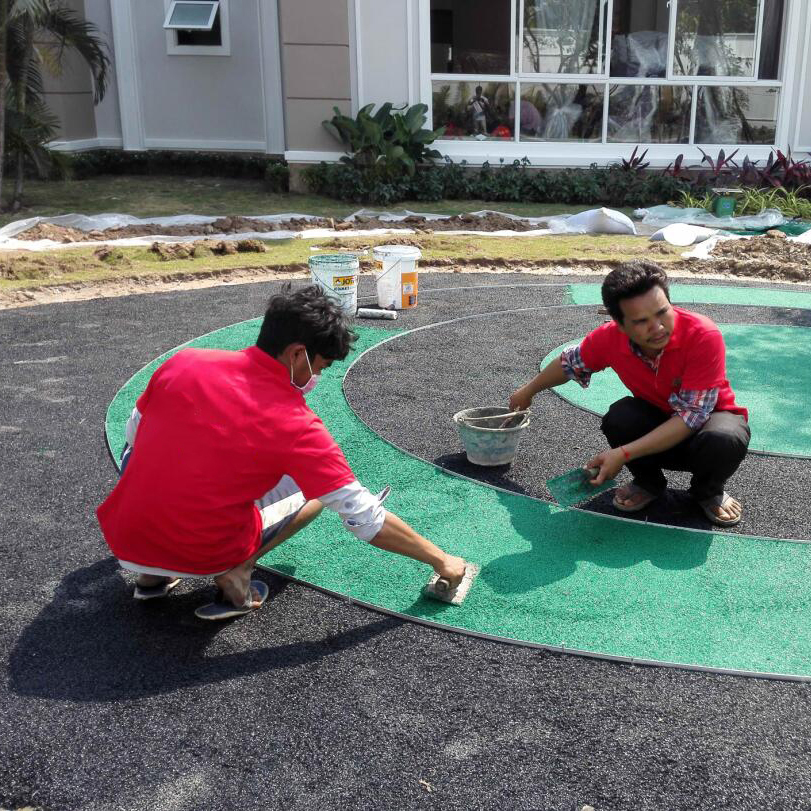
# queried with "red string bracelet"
point(625, 453)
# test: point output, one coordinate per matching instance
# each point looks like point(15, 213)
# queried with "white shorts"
point(278, 507)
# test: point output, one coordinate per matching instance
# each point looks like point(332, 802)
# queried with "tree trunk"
point(22, 98)
point(3, 86)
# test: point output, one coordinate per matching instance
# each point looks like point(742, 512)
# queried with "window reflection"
point(470, 36)
point(471, 110)
point(655, 114)
point(736, 115)
point(561, 112)
point(562, 37)
point(639, 38)
point(715, 38)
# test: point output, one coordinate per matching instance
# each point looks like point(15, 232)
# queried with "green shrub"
point(187, 163)
point(516, 182)
point(390, 143)
point(277, 177)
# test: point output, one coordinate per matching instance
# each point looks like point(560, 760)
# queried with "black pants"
point(712, 454)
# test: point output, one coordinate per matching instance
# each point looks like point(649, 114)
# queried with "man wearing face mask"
point(225, 460)
point(682, 415)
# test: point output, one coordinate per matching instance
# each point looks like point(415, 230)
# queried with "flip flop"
point(222, 609)
point(152, 592)
point(719, 501)
point(634, 489)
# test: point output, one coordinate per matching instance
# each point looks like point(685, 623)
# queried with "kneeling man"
point(682, 413)
point(225, 460)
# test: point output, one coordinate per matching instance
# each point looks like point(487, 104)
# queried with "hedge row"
point(611, 186)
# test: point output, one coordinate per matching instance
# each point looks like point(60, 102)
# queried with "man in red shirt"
point(224, 461)
point(682, 413)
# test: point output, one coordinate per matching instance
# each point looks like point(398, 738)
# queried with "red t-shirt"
point(218, 430)
point(693, 359)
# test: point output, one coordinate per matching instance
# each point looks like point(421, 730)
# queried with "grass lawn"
point(164, 196)
point(22, 270)
point(161, 196)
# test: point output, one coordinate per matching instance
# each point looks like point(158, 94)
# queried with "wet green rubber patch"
point(550, 576)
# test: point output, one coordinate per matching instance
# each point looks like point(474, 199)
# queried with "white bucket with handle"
point(337, 274)
point(397, 277)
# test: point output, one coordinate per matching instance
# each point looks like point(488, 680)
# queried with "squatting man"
point(224, 461)
point(681, 414)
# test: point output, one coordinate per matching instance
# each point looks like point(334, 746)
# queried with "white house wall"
point(201, 102)
point(801, 134)
point(383, 43)
point(107, 113)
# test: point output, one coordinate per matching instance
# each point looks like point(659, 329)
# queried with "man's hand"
point(609, 462)
point(452, 569)
point(521, 399)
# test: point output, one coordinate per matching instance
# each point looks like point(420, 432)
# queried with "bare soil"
point(770, 257)
point(243, 225)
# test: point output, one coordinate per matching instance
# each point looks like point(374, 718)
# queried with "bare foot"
point(731, 511)
point(630, 496)
point(235, 584)
point(148, 581)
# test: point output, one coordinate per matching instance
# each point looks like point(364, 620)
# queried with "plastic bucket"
point(337, 274)
point(486, 443)
point(397, 278)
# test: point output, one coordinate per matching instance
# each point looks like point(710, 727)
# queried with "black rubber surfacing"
point(312, 703)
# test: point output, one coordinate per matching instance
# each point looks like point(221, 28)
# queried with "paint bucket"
point(397, 278)
point(337, 274)
point(485, 441)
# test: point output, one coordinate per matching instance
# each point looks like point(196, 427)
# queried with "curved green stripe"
point(549, 576)
point(708, 294)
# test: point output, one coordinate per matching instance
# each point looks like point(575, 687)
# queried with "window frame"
point(518, 77)
point(215, 7)
point(223, 49)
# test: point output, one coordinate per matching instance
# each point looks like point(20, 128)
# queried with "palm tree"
point(34, 35)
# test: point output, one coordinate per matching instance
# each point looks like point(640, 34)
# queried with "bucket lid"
point(396, 252)
point(343, 260)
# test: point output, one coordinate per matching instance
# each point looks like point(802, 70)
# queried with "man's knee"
point(722, 442)
point(620, 421)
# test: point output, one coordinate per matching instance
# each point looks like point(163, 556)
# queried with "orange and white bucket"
point(397, 278)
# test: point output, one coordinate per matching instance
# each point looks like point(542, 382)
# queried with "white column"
point(270, 44)
point(126, 71)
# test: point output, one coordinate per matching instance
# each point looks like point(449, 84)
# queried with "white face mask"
point(311, 383)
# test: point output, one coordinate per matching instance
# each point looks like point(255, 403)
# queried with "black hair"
point(478, 88)
point(634, 278)
point(307, 316)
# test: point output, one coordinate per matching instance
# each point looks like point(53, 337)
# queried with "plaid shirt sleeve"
point(694, 406)
point(573, 366)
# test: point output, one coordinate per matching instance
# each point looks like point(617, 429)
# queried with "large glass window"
point(607, 71)
point(561, 112)
point(468, 110)
point(736, 115)
point(649, 114)
point(470, 36)
point(562, 37)
point(716, 38)
point(639, 38)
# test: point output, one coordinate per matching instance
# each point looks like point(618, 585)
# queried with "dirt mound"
point(244, 225)
point(771, 256)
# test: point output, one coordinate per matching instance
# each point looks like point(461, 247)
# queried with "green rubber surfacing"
point(774, 391)
point(550, 577)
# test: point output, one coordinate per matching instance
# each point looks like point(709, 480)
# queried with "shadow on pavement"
point(94, 643)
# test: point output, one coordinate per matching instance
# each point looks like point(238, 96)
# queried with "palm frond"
point(71, 31)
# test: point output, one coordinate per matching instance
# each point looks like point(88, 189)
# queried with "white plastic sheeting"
point(595, 221)
point(661, 216)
